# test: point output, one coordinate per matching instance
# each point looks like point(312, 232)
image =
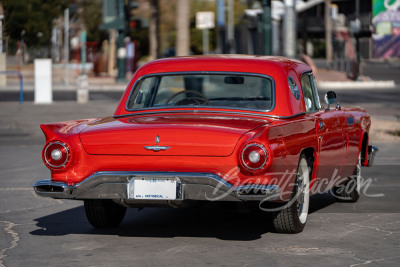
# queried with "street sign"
point(205, 20)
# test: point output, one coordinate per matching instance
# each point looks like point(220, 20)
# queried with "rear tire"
point(104, 213)
point(350, 191)
point(293, 217)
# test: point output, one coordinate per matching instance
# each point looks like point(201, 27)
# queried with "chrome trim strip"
point(113, 185)
point(133, 91)
point(157, 148)
point(160, 174)
point(198, 110)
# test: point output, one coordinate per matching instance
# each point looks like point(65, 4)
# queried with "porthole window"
point(294, 88)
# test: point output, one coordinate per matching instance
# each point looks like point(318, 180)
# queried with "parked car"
point(247, 129)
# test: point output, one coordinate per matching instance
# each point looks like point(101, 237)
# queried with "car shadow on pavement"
point(225, 222)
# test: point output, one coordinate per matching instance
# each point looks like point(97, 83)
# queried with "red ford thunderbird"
point(249, 129)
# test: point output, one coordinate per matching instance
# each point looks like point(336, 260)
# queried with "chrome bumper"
point(191, 186)
point(372, 150)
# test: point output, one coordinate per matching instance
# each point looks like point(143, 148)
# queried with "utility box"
point(43, 81)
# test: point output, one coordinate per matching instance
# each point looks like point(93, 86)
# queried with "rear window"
point(218, 90)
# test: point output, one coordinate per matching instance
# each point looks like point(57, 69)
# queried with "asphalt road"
point(37, 231)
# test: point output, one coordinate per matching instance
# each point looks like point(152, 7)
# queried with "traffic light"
point(133, 22)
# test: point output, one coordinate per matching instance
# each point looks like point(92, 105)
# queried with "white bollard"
point(43, 81)
point(82, 92)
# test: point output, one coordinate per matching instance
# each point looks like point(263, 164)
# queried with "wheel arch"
point(310, 154)
point(364, 148)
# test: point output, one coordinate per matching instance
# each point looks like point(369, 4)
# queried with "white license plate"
point(150, 188)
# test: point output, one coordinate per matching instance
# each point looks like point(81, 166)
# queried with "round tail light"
point(254, 157)
point(56, 155)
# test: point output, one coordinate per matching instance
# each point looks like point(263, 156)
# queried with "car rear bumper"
point(190, 186)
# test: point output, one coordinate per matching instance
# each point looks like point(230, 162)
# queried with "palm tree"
point(182, 28)
point(154, 30)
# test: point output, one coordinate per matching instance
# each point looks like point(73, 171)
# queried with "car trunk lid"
point(167, 135)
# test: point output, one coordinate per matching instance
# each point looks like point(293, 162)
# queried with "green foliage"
point(92, 18)
point(34, 17)
point(318, 48)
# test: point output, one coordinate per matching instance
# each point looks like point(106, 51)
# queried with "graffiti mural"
point(386, 23)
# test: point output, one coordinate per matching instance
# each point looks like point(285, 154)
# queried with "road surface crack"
point(388, 233)
point(372, 261)
point(14, 242)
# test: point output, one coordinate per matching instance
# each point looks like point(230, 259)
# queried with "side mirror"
point(330, 98)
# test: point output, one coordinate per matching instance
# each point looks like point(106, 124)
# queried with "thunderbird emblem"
point(157, 148)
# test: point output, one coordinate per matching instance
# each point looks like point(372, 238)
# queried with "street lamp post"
point(266, 27)
point(328, 34)
point(290, 31)
point(357, 35)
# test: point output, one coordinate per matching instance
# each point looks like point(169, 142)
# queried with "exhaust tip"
point(49, 188)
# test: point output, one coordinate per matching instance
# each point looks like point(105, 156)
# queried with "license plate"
point(150, 188)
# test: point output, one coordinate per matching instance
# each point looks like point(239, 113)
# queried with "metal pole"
point(205, 42)
point(121, 56)
point(21, 88)
point(66, 44)
point(121, 51)
point(231, 27)
point(328, 34)
point(1, 33)
point(290, 30)
point(83, 52)
point(358, 41)
point(267, 27)
point(357, 8)
point(220, 24)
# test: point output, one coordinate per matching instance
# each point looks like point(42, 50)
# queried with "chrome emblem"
point(157, 148)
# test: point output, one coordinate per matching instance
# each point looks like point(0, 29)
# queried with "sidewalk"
point(331, 79)
point(95, 84)
point(375, 74)
point(384, 76)
point(59, 80)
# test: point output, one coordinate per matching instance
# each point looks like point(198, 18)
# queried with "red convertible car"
point(246, 129)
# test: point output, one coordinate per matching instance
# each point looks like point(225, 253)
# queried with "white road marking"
point(16, 189)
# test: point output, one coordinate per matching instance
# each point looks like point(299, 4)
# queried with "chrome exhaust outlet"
point(372, 150)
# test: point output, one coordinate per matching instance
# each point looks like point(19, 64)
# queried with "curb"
point(357, 85)
point(55, 87)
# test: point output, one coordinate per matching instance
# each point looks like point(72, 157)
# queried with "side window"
point(140, 98)
point(316, 96)
point(293, 88)
point(309, 93)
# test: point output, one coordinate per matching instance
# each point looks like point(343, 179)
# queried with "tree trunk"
point(154, 30)
point(182, 28)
